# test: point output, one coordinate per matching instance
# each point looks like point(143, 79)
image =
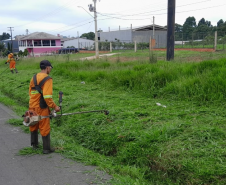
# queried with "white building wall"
point(22, 48)
point(83, 43)
point(132, 36)
point(144, 36)
point(122, 35)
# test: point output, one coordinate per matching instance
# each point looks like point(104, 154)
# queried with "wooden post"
point(215, 41)
point(135, 46)
point(158, 41)
point(110, 47)
point(203, 40)
point(150, 44)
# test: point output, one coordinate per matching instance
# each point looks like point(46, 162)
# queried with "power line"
point(111, 17)
point(50, 13)
point(159, 13)
point(154, 10)
point(119, 17)
point(156, 4)
point(69, 25)
point(149, 6)
point(76, 27)
point(203, 8)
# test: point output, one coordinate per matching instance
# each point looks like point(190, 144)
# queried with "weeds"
point(138, 142)
point(30, 151)
point(118, 59)
point(15, 122)
point(152, 57)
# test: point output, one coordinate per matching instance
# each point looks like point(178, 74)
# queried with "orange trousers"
point(12, 65)
point(44, 124)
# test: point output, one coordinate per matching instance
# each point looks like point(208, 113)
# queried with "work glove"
point(6, 62)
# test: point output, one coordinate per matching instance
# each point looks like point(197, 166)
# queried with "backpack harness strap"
point(38, 87)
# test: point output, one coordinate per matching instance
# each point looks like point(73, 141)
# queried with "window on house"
point(53, 43)
point(37, 43)
point(46, 43)
point(29, 43)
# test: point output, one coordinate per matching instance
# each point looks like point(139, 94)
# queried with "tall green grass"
point(138, 142)
point(193, 81)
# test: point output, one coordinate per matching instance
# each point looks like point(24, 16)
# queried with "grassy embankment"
point(139, 142)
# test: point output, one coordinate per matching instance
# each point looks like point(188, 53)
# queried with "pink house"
point(40, 43)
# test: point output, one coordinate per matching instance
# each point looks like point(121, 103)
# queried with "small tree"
point(2, 47)
point(25, 52)
point(5, 53)
point(20, 53)
point(90, 35)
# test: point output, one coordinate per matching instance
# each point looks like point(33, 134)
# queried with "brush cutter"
point(31, 117)
point(4, 70)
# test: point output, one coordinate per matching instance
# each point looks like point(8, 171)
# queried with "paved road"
point(52, 169)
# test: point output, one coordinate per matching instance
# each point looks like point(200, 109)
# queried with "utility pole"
point(10, 29)
point(153, 27)
point(96, 36)
point(170, 29)
point(93, 9)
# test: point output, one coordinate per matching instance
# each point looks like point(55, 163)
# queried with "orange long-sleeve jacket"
point(47, 91)
point(12, 61)
point(10, 57)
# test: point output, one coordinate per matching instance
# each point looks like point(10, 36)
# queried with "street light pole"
point(11, 39)
point(96, 36)
point(85, 10)
point(93, 9)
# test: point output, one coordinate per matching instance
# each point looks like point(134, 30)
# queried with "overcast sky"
point(64, 17)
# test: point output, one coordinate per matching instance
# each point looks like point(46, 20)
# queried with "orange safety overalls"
point(12, 62)
point(47, 91)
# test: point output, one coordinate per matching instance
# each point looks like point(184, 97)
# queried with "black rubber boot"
point(16, 70)
point(34, 139)
point(46, 145)
point(12, 71)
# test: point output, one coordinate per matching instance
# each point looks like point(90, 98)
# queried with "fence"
point(122, 45)
point(200, 40)
point(182, 40)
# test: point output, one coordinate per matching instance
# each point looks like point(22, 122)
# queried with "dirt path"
point(100, 56)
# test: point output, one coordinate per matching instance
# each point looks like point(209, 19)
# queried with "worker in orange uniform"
point(12, 63)
point(41, 101)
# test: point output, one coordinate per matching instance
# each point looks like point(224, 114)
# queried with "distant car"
point(67, 50)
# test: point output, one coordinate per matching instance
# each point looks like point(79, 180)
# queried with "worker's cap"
point(44, 64)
